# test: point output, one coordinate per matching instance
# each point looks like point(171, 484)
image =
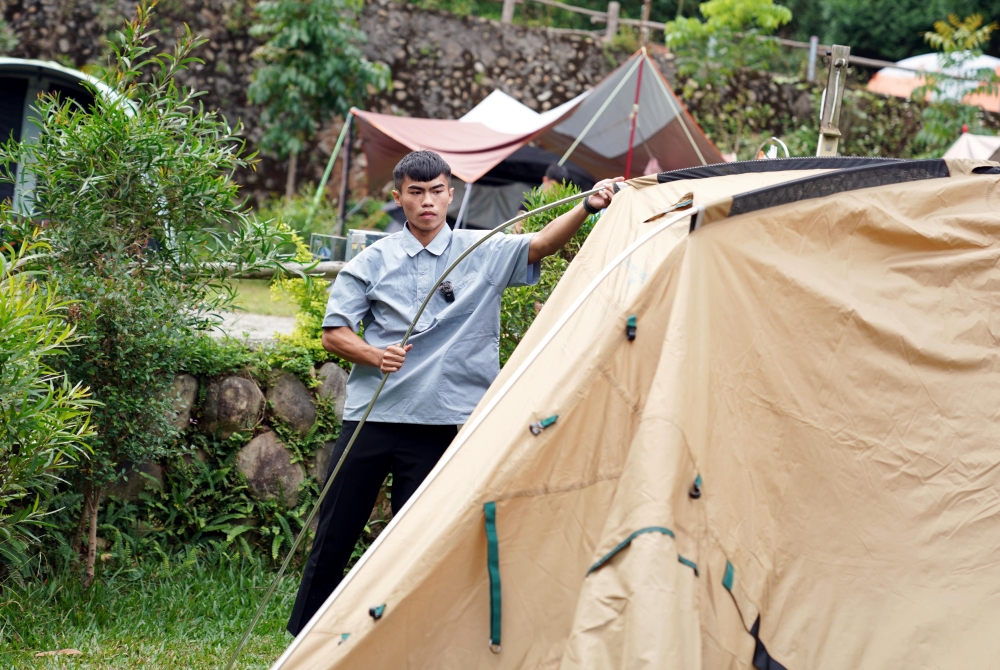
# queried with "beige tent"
point(798, 450)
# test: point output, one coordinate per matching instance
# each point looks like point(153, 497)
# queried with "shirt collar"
point(438, 245)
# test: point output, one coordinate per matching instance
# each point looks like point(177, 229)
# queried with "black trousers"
point(409, 452)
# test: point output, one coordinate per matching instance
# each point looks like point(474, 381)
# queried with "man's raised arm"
point(556, 234)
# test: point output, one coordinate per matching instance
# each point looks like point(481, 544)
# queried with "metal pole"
point(344, 184)
point(614, 9)
point(507, 14)
point(329, 169)
point(829, 120)
point(635, 116)
point(465, 203)
point(811, 69)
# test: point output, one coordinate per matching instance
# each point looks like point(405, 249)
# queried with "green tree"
point(958, 42)
point(312, 68)
point(727, 39)
point(8, 39)
point(889, 29)
point(43, 419)
point(144, 223)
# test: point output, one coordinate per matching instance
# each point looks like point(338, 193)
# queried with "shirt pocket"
point(466, 299)
point(468, 368)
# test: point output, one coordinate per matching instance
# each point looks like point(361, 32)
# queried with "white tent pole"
point(600, 111)
point(465, 203)
point(680, 115)
point(471, 427)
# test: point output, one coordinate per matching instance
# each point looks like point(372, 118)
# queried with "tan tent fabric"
point(827, 367)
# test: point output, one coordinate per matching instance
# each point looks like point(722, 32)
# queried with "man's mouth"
point(427, 215)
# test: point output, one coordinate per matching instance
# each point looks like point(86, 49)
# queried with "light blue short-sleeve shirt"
point(456, 345)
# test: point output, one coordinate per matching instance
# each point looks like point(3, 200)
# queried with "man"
point(449, 362)
point(555, 174)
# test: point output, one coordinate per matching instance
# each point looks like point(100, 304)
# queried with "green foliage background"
point(521, 304)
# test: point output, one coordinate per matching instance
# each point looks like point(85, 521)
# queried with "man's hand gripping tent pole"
point(371, 403)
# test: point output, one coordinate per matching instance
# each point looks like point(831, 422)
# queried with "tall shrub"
point(311, 68)
point(144, 223)
point(43, 418)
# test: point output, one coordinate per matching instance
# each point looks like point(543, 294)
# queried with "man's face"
point(425, 203)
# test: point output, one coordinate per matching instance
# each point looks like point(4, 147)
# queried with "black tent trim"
point(770, 165)
point(840, 181)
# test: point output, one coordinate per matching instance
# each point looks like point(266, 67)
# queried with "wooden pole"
point(644, 28)
point(507, 14)
point(345, 178)
point(614, 9)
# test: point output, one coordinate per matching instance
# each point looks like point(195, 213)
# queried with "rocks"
point(232, 404)
point(320, 466)
point(334, 386)
point(185, 391)
point(291, 402)
point(269, 470)
point(132, 481)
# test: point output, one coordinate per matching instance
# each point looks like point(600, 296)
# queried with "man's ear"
point(395, 196)
point(451, 195)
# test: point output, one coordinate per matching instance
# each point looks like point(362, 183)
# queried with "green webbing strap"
point(627, 541)
point(688, 562)
point(727, 579)
point(493, 564)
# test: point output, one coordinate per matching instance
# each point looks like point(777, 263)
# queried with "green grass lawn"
point(254, 296)
point(182, 617)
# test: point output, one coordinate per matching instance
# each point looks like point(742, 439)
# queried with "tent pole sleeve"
point(680, 115)
point(635, 117)
point(493, 566)
point(590, 124)
point(329, 168)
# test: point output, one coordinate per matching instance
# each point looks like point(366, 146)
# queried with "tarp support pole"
point(345, 178)
point(329, 169)
point(680, 115)
point(465, 203)
point(635, 117)
point(590, 124)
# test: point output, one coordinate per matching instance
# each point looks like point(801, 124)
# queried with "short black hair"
point(420, 166)
point(557, 172)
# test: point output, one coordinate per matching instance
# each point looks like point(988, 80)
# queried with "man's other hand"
point(393, 358)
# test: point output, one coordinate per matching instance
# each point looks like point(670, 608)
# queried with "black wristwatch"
point(590, 209)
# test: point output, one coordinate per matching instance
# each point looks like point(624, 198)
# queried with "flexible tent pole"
point(371, 403)
point(635, 117)
point(590, 124)
point(473, 424)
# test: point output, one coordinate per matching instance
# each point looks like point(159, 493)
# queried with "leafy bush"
point(521, 304)
point(294, 212)
point(43, 419)
point(144, 227)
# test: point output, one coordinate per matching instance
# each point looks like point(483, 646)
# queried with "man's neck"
point(425, 237)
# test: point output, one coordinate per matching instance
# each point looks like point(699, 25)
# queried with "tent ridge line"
point(475, 423)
